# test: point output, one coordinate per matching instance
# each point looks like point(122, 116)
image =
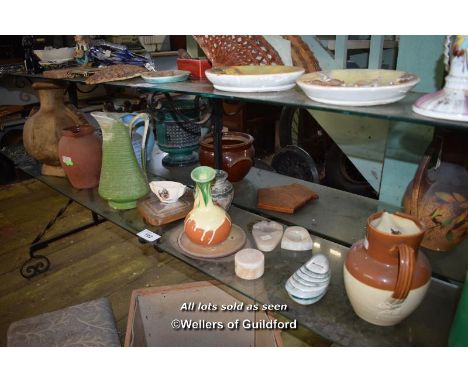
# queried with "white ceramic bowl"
point(55, 55)
point(296, 238)
point(251, 78)
point(357, 87)
point(167, 191)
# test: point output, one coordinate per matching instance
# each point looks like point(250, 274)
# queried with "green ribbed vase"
point(122, 181)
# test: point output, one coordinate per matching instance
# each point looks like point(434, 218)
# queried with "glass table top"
point(336, 215)
point(332, 317)
point(398, 111)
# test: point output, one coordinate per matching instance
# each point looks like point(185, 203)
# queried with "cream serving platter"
point(254, 78)
point(357, 87)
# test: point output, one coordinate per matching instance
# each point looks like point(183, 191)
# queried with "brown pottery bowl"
point(238, 154)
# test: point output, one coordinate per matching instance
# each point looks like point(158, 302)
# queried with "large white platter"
point(248, 79)
point(357, 87)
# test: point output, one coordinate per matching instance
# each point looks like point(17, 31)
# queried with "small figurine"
point(81, 49)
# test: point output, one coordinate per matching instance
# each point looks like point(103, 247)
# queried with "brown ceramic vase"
point(438, 194)
point(386, 276)
point(80, 154)
point(238, 154)
point(43, 129)
point(207, 223)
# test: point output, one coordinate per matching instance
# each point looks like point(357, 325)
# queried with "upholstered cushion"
point(88, 324)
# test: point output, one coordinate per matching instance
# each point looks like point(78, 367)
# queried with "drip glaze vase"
point(122, 182)
point(385, 275)
point(207, 223)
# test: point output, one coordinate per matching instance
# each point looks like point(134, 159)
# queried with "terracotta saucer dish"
point(235, 241)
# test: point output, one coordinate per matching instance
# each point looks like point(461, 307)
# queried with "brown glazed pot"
point(438, 194)
point(386, 276)
point(238, 154)
point(43, 129)
point(80, 153)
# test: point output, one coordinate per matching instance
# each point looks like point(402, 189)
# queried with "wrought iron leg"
point(37, 264)
point(217, 133)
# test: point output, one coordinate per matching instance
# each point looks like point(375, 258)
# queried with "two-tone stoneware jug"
point(386, 276)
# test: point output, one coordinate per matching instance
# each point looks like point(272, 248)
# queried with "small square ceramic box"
point(196, 66)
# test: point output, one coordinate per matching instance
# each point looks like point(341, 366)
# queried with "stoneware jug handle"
point(406, 267)
point(131, 125)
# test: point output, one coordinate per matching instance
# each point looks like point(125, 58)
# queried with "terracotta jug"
point(206, 223)
point(386, 276)
point(438, 194)
point(122, 182)
point(238, 154)
point(80, 152)
point(43, 129)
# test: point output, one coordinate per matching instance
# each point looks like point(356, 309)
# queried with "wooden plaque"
point(156, 213)
point(285, 199)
